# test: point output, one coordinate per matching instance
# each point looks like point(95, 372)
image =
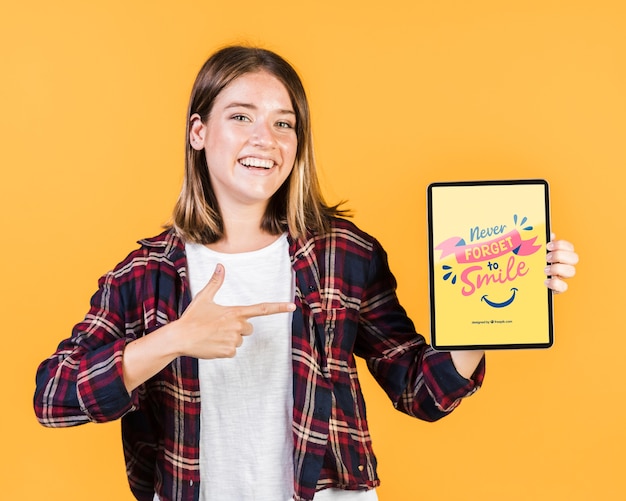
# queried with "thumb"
point(214, 284)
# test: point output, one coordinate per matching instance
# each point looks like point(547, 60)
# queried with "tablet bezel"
point(443, 346)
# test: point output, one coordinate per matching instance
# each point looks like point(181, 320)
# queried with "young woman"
point(226, 344)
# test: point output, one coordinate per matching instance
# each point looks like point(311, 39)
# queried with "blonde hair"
point(298, 205)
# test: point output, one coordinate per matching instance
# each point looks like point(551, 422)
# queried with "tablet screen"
point(487, 248)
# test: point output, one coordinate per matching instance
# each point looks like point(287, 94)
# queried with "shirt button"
point(361, 467)
point(312, 288)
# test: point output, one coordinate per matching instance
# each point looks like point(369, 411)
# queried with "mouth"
point(257, 163)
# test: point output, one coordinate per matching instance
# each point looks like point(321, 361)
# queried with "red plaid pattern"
point(347, 306)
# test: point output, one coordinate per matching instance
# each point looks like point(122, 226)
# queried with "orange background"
point(93, 98)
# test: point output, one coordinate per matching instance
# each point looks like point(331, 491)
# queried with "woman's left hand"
point(561, 260)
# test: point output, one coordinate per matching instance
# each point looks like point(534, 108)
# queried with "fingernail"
point(219, 268)
point(291, 307)
point(550, 246)
point(546, 270)
point(549, 257)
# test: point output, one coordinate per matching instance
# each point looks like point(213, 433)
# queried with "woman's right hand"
point(209, 330)
point(205, 330)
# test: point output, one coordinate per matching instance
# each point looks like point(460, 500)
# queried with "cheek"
point(291, 149)
point(217, 141)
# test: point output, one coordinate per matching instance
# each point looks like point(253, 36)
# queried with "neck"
point(243, 233)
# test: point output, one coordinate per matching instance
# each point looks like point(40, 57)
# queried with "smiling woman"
point(242, 385)
point(298, 203)
point(250, 144)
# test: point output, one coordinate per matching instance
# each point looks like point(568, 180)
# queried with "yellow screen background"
point(403, 93)
point(466, 319)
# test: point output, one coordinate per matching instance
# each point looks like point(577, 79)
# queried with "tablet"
point(487, 247)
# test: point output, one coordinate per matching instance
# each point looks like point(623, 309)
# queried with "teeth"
point(257, 162)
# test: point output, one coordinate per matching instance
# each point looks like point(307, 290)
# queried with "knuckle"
point(559, 286)
point(246, 328)
point(232, 316)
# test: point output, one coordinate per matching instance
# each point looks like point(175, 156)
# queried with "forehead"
point(257, 88)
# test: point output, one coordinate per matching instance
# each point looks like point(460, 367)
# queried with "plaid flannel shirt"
point(346, 306)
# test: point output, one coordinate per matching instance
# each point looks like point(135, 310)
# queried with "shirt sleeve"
point(420, 381)
point(83, 380)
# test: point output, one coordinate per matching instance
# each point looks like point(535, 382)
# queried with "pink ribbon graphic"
point(490, 249)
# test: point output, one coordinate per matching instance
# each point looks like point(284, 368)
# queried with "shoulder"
point(348, 233)
point(166, 243)
point(344, 238)
point(351, 253)
point(165, 250)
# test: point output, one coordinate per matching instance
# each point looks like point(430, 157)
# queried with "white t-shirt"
point(246, 440)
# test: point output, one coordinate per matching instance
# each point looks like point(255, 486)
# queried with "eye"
point(240, 118)
point(284, 125)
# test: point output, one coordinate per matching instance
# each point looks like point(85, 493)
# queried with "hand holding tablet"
point(487, 258)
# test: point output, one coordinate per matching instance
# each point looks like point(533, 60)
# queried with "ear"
point(197, 132)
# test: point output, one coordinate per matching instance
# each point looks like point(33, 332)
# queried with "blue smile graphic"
point(500, 305)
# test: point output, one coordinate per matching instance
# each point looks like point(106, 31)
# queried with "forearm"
point(466, 362)
point(146, 356)
point(438, 387)
point(421, 381)
point(75, 386)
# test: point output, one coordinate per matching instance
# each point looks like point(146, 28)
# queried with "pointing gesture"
point(209, 330)
point(206, 330)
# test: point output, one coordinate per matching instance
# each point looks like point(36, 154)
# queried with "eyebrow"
point(253, 107)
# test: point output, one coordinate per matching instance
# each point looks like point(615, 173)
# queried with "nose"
point(263, 134)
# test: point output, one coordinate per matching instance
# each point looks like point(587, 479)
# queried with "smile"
point(258, 163)
point(500, 305)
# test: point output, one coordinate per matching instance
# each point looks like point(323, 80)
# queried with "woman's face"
point(249, 140)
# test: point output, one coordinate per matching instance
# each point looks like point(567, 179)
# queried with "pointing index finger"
point(264, 309)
